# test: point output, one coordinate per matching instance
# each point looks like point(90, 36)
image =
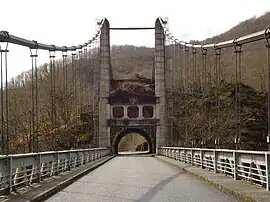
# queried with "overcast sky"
point(72, 22)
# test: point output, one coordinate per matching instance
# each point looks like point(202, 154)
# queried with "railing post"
point(185, 155)
point(267, 168)
point(69, 162)
point(235, 161)
point(39, 167)
point(90, 156)
point(202, 155)
point(215, 161)
point(191, 157)
point(82, 159)
point(57, 160)
point(10, 175)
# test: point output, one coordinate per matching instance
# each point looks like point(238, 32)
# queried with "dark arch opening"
point(128, 131)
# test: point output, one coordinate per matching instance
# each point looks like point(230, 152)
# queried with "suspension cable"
point(34, 98)
point(4, 112)
point(204, 90)
point(95, 94)
point(52, 82)
point(194, 58)
point(177, 64)
point(74, 80)
point(14, 98)
point(186, 68)
point(194, 82)
point(182, 92)
point(2, 105)
point(186, 93)
point(174, 74)
point(237, 51)
point(170, 86)
point(267, 36)
point(92, 94)
point(98, 66)
point(181, 66)
point(204, 55)
point(64, 72)
point(80, 68)
point(85, 53)
point(217, 76)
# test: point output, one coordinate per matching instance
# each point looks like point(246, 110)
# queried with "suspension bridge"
point(67, 117)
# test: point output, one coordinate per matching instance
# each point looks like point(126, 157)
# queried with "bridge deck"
point(129, 178)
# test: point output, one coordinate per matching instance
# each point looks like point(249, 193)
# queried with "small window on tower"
point(118, 112)
point(148, 111)
point(133, 112)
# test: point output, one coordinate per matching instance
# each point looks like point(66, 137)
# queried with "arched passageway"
point(132, 140)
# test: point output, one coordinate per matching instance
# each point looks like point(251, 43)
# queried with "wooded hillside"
point(74, 127)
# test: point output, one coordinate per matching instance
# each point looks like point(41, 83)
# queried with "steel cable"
point(34, 100)
point(238, 51)
point(267, 36)
point(193, 87)
point(74, 81)
point(204, 89)
point(64, 83)
point(52, 86)
point(186, 51)
point(217, 76)
point(4, 94)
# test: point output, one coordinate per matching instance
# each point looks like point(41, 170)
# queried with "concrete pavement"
point(243, 191)
point(140, 179)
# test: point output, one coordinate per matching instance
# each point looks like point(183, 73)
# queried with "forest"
point(67, 102)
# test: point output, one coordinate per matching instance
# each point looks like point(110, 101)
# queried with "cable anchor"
point(35, 48)
point(217, 50)
point(6, 39)
point(52, 51)
point(237, 47)
point(64, 52)
point(203, 50)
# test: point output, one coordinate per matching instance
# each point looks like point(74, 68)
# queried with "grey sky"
point(70, 22)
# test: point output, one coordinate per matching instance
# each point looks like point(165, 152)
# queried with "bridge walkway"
point(140, 179)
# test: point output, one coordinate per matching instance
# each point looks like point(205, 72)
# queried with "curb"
point(53, 190)
point(224, 189)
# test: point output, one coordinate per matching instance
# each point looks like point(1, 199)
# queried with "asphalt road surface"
point(140, 179)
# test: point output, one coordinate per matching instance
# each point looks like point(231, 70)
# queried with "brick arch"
point(127, 131)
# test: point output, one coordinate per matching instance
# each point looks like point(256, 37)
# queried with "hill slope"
point(127, 61)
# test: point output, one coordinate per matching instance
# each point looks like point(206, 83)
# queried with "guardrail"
point(24, 169)
point(250, 166)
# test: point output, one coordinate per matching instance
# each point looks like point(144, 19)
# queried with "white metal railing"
point(24, 169)
point(251, 166)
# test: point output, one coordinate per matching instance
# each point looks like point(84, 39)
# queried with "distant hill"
point(129, 60)
point(243, 28)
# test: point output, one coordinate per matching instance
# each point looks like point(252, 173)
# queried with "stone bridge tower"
point(137, 110)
